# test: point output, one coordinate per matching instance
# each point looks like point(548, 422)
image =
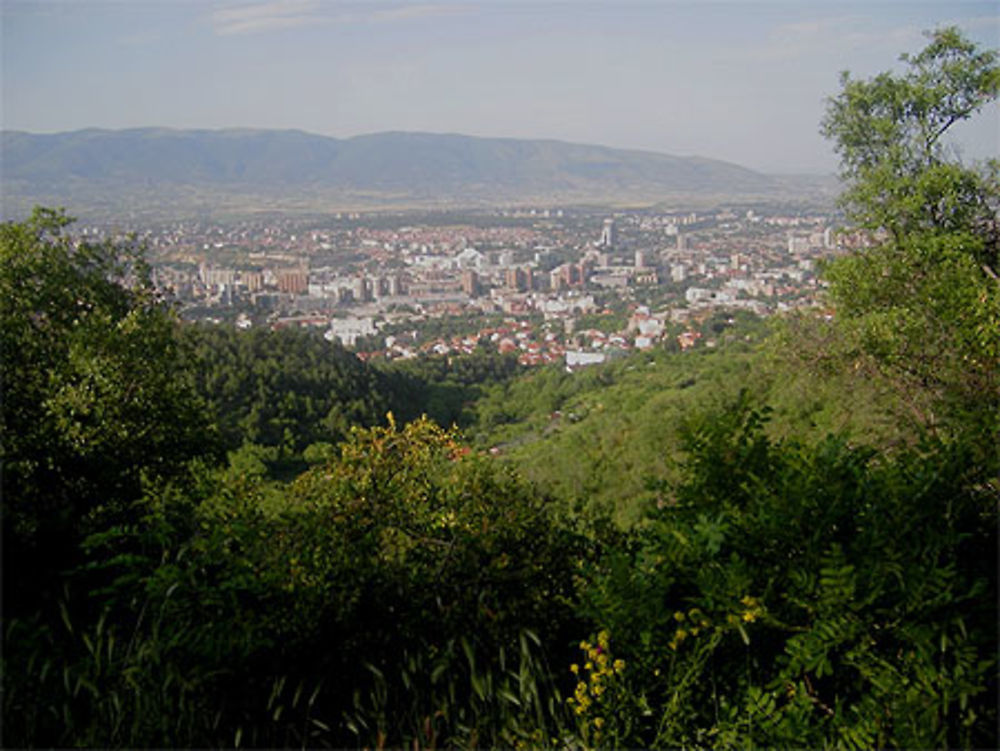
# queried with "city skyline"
point(740, 81)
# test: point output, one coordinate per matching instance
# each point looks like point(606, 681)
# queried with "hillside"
point(252, 170)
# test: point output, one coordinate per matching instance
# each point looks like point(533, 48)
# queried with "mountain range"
point(209, 171)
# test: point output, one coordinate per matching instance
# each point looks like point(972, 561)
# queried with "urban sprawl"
point(552, 285)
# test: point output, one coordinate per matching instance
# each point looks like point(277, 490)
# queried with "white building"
point(470, 258)
point(349, 330)
point(609, 234)
point(579, 358)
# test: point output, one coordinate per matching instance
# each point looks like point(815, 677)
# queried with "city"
point(549, 284)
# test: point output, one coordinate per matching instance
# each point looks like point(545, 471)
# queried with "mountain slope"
point(102, 167)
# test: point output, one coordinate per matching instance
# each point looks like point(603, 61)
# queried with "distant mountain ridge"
point(290, 167)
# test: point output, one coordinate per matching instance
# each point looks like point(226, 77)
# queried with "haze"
point(744, 81)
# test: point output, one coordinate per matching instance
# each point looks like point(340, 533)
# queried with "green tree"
point(427, 581)
point(94, 395)
point(921, 306)
point(285, 388)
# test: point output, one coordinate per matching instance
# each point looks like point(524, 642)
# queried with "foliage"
point(470, 545)
point(922, 306)
point(606, 439)
point(889, 134)
point(461, 697)
point(810, 596)
point(444, 387)
point(608, 322)
point(286, 389)
point(432, 583)
point(596, 439)
point(290, 389)
point(95, 394)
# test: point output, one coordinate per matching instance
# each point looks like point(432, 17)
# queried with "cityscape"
point(552, 285)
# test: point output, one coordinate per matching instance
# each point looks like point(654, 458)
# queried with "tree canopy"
point(95, 395)
point(921, 306)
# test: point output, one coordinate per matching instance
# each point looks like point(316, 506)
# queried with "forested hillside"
point(611, 438)
point(220, 538)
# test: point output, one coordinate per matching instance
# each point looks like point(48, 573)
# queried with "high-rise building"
point(519, 279)
point(359, 288)
point(470, 283)
point(213, 276)
point(609, 234)
point(252, 280)
point(295, 281)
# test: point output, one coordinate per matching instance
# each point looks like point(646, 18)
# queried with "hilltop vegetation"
point(215, 538)
point(610, 438)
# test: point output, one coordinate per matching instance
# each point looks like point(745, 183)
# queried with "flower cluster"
point(693, 622)
point(752, 610)
point(690, 623)
point(595, 676)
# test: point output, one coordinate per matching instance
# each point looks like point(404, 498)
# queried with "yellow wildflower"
point(619, 665)
point(574, 668)
point(598, 722)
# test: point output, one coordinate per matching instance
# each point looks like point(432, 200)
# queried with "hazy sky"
point(741, 81)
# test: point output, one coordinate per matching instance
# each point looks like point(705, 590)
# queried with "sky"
point(744, 81)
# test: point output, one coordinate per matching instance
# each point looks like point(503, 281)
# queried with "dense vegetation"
point(215, 538)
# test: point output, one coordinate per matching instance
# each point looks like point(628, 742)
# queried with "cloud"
point(277, 15)
point(269, 16)
point(408, 12)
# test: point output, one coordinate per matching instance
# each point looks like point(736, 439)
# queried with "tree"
point(94, 395)
point(922, 305)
